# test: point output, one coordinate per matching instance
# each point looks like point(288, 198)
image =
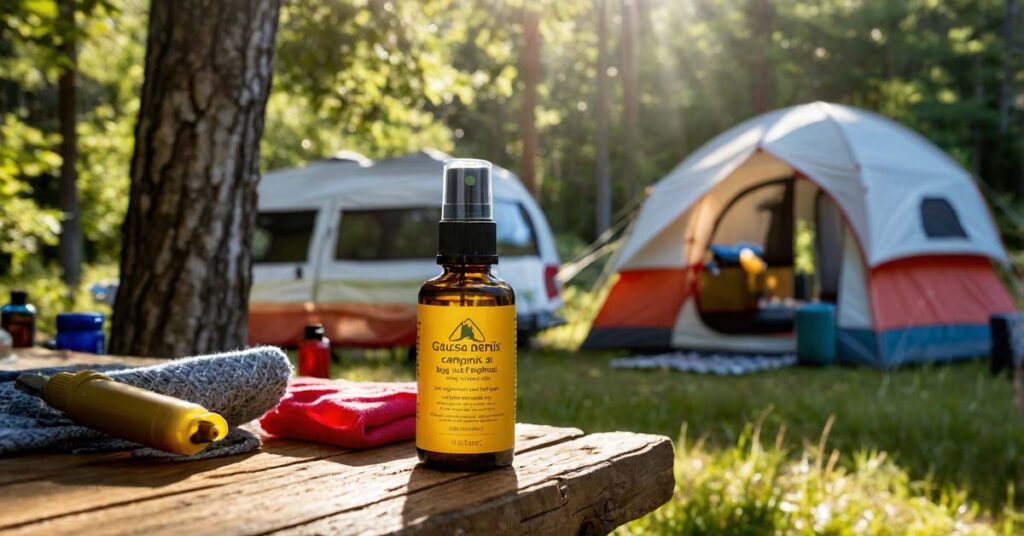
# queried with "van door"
point(284, 248)
point(372, 267)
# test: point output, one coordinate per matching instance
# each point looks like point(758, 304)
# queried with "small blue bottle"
point(81, 332)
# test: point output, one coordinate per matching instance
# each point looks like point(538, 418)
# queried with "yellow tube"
point(159, 421)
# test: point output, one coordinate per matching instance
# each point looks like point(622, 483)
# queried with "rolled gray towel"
point(241, 386)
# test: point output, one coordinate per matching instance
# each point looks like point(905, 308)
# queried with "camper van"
point(347, 242)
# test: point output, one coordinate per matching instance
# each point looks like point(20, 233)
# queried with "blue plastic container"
point(816, 334)
point(81, 332)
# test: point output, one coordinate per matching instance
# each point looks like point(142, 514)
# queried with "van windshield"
point(282, 236)
point(411, 233)
point(516, 236)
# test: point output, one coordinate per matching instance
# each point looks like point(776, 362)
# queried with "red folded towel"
point(344, 413)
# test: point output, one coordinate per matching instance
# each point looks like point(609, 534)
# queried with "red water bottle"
point(315, 353)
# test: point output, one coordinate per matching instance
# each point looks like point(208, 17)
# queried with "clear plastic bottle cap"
point(467, 190)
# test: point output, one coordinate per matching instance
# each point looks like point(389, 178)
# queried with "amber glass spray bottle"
point(466, 336)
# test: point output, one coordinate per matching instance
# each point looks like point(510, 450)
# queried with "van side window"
point(387, 234)
point(411, 233)
point(516, 236)
point(282, 236)
point(940, 220)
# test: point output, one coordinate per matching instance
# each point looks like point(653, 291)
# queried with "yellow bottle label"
point(466, 371)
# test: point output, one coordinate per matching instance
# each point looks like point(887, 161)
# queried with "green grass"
point(757, 489)
point(948, 436)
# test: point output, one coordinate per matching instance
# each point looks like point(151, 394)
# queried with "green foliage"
point(111, 63)
point(384, 78)
point(803, 246)
point(363, 76)
point(109, 76)
point(934, 65)
point(25, 156)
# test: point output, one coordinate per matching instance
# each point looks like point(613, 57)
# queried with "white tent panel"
point(682, 241)
point(853, 310)
point(689, 332)
point(810, 140)
point(896, 224)
point(691, 179)
point(667, 249)
point(876, 170)
point(880, 143)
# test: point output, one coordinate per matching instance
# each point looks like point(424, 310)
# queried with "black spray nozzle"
point(467, 190)
point(314, 332)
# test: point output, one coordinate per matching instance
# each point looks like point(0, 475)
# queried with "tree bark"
point(631, 100)
point(603, 209)
point(762, 15)
point(977, 154)
point(1006, 84)
point(531, 79)
point(186, 256)
point(70, 246)
point(1012, 48)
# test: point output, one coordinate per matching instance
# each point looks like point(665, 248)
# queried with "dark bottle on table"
point(18, 318)
point(466, 335)
point(315, 353)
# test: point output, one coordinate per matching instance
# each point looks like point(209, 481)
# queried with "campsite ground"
point(948, 433)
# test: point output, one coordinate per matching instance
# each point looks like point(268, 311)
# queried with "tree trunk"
point(1012, 48)
point(70, 247)
point(531, 78)
point(1006, 84)
point(186, 256)
point(762, 15)
point(631, 100)
point(603, 209)
point(979, 130)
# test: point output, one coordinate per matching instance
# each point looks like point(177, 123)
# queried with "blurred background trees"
point(385, 77)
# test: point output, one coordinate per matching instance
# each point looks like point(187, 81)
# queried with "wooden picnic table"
point(562, 482)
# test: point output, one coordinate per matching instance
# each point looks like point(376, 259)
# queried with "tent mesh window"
point(282, 236)
point(940, 220)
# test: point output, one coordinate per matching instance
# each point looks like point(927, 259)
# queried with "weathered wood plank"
point(27, 468)
point(587, 486)
point(85, 492)
point(372, 496)
point(561, 482)
point(29, 358)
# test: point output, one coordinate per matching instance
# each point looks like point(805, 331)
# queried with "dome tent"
point(904, 242)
